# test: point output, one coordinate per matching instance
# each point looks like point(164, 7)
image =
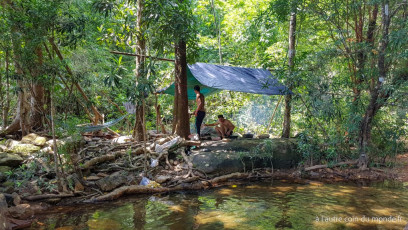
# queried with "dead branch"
point(47, 196)
point(354, 162)
point(98, 160)
point(228, 177)
point(189, 164)
point(133, 189)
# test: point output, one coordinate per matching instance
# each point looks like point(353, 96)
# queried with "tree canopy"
point(348, 68)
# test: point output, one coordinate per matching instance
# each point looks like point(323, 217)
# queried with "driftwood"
point(189, 164)
point(126, 190)
point(190, 143)
point(110, 157)
point(228, 177)
point(334, 165)
point(47, 196)
point(19, 224)
point(98, 160)
point(185, 184)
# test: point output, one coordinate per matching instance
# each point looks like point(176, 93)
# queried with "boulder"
point(7, 187)
point(79, 187)
point(21, 211)
point(4, 223)
point(10, 159)
point(34, 139)
point(3, 170)
point(162, 178)
point(217, 157)
point(50, 143)
point(16, 198)
point(25, 150)
point(10, 143)
point(112, 181)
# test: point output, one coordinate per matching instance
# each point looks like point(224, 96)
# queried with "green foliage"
point(327, 111)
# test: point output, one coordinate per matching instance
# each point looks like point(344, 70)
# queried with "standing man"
point(199, 113)
point(225, 127)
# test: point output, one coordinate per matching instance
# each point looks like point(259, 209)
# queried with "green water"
point(267, 205)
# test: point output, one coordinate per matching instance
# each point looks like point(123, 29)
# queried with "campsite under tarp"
point(214, 78)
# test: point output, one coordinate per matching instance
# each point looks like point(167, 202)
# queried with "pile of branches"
point(140, 159)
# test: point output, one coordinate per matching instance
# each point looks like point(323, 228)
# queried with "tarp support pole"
point(273, 115)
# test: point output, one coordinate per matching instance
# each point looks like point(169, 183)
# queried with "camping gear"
point(214, 78)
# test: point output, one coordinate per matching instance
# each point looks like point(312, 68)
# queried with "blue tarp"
point(214, 78)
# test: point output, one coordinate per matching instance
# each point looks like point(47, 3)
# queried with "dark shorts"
point(199, 120)
point(229, 133)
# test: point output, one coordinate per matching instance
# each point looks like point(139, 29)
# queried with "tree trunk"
point(24, 109)
point(287, 117)
point(175, 108)
point(2, 94)
point(139, 130)
point(374, 105)
point(37, 95)
point(291, 56)
point(7, 102)
point(183, 119)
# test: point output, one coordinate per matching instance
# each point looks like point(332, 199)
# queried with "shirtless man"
point(226, 127)
point(199, 113)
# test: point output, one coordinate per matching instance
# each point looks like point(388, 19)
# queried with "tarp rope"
point(93, 128)
point(130, 108)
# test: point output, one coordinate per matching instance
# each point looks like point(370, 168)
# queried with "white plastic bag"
point(144, 181)
point(160, 148)
point(154, 163)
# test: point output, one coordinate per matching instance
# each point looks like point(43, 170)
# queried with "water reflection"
point(257, 206)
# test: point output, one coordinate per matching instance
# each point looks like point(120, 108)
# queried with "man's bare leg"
point(224, 130)
point(219, 131)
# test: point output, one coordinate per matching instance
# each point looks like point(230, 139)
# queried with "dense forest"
point(85, 118)
point(68, 63)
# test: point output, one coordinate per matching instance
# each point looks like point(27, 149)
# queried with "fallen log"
point(47, 196)
point(354, 162)
point(187, 184)
point(227, 177)
point(110, 157)
point(190, 143)
point(98, 160)
point(127, 190)
point(19, 224)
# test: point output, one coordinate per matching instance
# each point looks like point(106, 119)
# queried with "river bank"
point(105, 170)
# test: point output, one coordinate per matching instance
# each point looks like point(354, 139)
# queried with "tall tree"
point(139, 129)
point(183, 120)
point(291, 57)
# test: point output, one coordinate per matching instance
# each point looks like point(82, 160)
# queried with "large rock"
point(4, 223)
point(25, 149)
point(10, 159)
point(3, 170)
point(217, 157)
point(7, 187)
point(112, 181)
point(10, 143)
point(21, 211)
point(34, 139)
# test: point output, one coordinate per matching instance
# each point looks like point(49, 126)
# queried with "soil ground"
point(401, 167)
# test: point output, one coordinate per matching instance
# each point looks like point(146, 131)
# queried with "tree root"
point(354, 162)
point(111, 157)
point(190, 183)
point(47, 196)
point(126, 190)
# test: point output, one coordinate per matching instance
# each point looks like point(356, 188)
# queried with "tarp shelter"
point(214, 78)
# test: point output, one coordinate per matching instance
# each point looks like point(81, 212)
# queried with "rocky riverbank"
point(98, 169)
